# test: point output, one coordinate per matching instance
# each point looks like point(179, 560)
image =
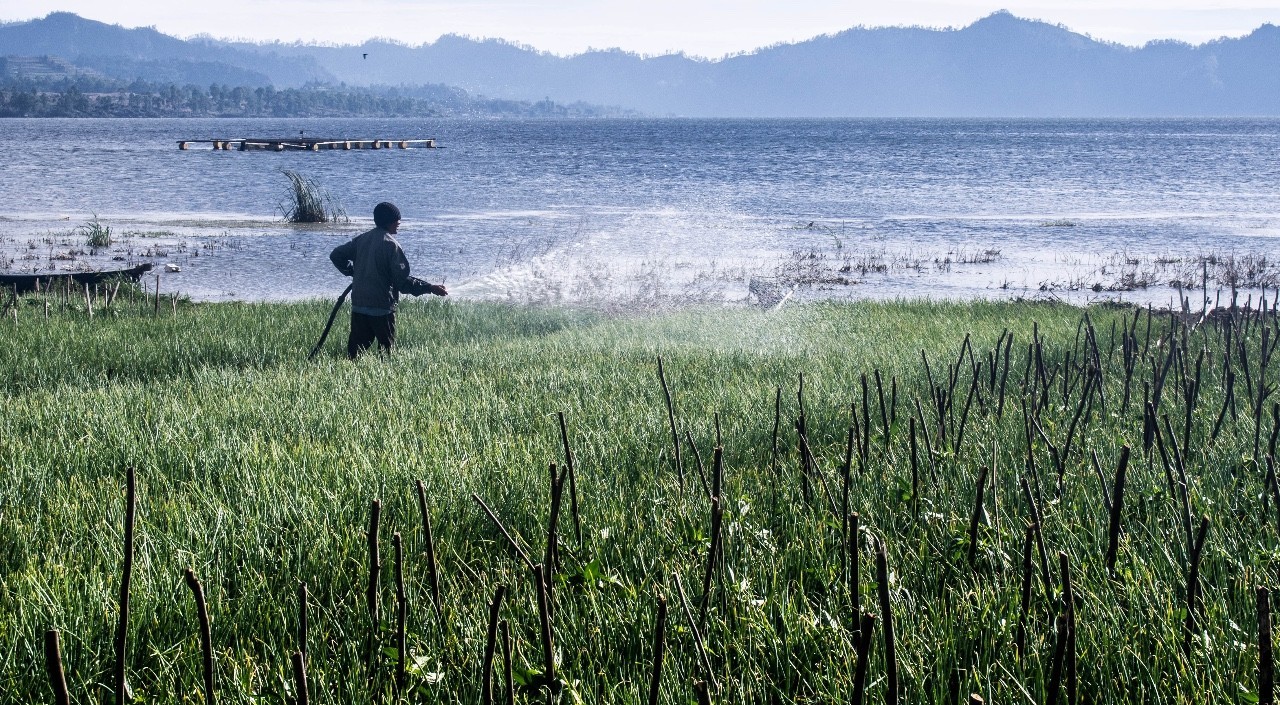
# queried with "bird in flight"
point(365, 55)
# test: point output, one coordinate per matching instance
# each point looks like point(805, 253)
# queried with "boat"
point(23, 283)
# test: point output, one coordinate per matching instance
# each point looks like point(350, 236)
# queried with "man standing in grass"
point(379, 271)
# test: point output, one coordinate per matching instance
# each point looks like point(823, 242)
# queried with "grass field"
point(258, 470)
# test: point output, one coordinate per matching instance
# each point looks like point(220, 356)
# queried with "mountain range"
point(999, 66)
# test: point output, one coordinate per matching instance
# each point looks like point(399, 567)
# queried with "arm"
point(343, 257)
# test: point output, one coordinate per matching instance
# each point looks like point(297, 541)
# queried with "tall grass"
point(257, 469)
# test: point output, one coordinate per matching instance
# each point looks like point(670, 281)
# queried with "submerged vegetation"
point(901, 502)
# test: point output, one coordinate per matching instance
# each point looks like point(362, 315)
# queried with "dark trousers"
point(365, 329)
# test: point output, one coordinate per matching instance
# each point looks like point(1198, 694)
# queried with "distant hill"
point(999, 66)
point(149, 55)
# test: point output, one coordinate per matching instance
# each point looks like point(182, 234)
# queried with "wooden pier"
point(305, 144)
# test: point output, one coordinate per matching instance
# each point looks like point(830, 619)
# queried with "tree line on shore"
point(97, 98)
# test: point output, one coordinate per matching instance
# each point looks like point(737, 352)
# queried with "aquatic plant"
point(308, 202)
point(94, 233)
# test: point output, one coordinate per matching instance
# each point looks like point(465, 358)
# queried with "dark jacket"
point(377, 267)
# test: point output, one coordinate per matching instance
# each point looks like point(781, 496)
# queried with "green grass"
point(257, 469)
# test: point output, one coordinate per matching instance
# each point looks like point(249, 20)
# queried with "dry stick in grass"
point(1266, 664)
point(433, 577)
point(300, 678)
point(508, 682)
point(866, 418)
point(697, 458)
point(697, 634)
point(928, 445)
point(206, 639)
point(964, 417)
point(671, 418)
point(1020, 638)
point(1059, 656)
point(866, 625)
point(886, 614)
point(490, 646)
point(1273, 485)
point(717, 472)
point(1069, 607)
point(717, 515)
point(844, 502)
point(494, 518)
point(122, 626)
point(701, 693)
point(1004, 377)
point(884, 414)
point(372, 602)
point(802, 435)
point(302, 619)
point(573, 479)
point(1193, 585)
point(552, 556)
point(822, 476)
point(855, 572)
point(53, 666)
point(1183, 491)
point(1039, 533)
point(977, 515)
point(1117, 506)
point(402, 615)
point(1275, 428)
point(544, 617)
point(915, 465)
point(1102, 481)
point(659, 645)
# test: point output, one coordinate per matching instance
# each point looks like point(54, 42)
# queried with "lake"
point(633, 213)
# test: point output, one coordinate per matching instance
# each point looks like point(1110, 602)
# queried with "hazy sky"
point(710, 28)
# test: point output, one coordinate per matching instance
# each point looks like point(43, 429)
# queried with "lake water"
point(657, 212)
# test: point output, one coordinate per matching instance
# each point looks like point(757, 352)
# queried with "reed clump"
point(308, 202)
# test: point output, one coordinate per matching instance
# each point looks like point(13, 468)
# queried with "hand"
point(438, 290)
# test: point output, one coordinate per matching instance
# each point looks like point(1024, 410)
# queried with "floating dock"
point(305, 144)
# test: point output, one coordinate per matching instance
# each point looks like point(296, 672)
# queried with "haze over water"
point(629, 210)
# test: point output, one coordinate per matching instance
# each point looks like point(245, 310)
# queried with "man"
point(379, 272)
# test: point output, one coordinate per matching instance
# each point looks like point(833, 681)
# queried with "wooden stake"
point(491, 642)
point(206, 638)
point(1117, 506)
point(659, 644)
point(302, 619)
point(53, 666)
point(573, 480)
point(1266, 663)
point(671, 418)
point(977, 515)
point(494, 518)
point(544, 614)
point(402, 616)
point(1020, 639)
point(866, 625)
point(433, 576)
point(508, 681)
point(122, 691)
point(300, 678)
point(697, 634)
point(886, 615)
